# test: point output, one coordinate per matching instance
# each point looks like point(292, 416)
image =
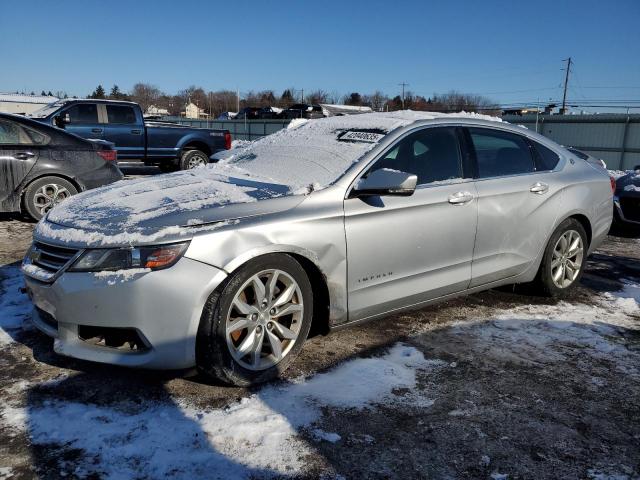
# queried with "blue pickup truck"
point(168, 145)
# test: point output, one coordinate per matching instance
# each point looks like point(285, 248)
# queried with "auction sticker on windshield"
point(361, 136)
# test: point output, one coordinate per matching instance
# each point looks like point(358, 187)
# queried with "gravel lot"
point(495, 385)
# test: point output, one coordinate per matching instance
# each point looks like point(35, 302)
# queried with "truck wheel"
point(44, 193)
point(192, 159)
point(255, 325)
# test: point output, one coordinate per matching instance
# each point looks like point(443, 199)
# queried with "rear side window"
point(500, 153)
point(83, 113)
point(546, 159)
point(120, 114)
point(432, 154)
point(12, 133)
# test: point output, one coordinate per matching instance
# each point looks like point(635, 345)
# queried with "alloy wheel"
point(264, 320)
point(48, 196)
point(197, 160)
point(566, 262)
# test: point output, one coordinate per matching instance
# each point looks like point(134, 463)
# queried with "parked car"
point(42, 166)
point(270, 113)
point(167, 145)
point(626, 200)
point(227, 116)
point(330, 223)
point(303, 110)
point(248, 113)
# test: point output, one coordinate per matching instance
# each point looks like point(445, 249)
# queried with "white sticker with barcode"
point(367, 137)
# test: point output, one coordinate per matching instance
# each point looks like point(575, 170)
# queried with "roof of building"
point(21, 98)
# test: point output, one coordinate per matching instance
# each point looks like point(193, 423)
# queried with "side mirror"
point(62, 120)
point(386, 182)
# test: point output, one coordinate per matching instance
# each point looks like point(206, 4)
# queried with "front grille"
point(51, 258)
point(123, 339)
point(630, 208)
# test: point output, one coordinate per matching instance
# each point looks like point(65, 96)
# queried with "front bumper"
point(163, 306)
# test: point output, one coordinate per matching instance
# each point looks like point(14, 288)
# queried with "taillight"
point(227, 140)
point(613, 184)
point(108, 155)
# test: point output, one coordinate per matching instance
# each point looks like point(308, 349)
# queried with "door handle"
point(96, 130)
point(539, 188)
point(136, 131)
point(460, 198)
point(24, 155)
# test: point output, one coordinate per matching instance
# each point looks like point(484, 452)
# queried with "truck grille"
point(630, 208)
point(51, 258)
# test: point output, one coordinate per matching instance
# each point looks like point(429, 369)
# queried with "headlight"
point(155, 257)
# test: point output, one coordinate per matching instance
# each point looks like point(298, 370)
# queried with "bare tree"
point(318, 96)
point(145, 94)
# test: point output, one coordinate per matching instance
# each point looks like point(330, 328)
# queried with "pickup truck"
point(168, 145)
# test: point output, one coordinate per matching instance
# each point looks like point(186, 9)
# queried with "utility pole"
point(302, 95)
point(403, 84)
point(563, 110)
point(237, 100)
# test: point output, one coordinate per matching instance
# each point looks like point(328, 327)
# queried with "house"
point(154, 111)
point(191, 110)
point(23, 104)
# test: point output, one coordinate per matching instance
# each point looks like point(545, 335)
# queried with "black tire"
point(193, 158)
point(32, 195)
point(213, 357)
point(544, 282)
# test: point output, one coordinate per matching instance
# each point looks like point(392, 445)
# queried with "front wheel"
point(253, 328)
point(564, 259)
point(45, 193)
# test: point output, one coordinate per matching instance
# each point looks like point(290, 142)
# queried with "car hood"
point(162, 208)
point(628, 184)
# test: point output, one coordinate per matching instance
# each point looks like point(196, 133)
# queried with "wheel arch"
point(322, 296)
point(195, 144)
point(40, 175)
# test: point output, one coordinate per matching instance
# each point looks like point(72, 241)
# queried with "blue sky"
point(510, 51)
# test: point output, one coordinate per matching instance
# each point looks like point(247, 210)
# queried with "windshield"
point(313, 153)
point(47, 110)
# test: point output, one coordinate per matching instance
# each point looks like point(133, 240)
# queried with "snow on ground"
point(265, 434)
point(257, 436)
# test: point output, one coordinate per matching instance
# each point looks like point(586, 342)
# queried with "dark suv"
point(42, 165)
point(303, 110)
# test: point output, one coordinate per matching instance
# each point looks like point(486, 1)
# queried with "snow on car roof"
point(317, 152)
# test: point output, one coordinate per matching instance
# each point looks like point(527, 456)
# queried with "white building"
point(191, 110)
point(154, 111)
point(23, 104)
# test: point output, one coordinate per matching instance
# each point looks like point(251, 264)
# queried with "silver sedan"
point(326, 223)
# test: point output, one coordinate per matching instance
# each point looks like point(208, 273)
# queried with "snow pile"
point(257, 436)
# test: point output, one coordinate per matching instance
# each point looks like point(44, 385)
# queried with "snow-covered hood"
point(162, 208)
point(629, 183)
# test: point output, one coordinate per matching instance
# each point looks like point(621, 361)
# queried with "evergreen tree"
point(115, 94)
point(98, 92)
point(42, 94)
point(49, 93)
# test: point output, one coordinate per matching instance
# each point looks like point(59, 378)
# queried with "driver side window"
point(433, 154)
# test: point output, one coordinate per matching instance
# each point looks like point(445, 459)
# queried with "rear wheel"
point(564, 259)
point(45, 193)
point(193, 159)
point(253, 328)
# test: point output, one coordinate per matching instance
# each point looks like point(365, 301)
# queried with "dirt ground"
point(525, 388)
